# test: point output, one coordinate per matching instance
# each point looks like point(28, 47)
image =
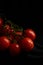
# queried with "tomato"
point(26, 44)
point(18, 33)
point(30, 33)
point(6, 29)
point(1, 22)
point(14, 49)
point(4, 43)
point(11, 31)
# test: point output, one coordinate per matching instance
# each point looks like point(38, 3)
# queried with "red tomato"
point(18, 36)
point(30, 33)
point(11, 31)
point(26, 44)
point(6, 28)
point(18, 33)
point(14, 49)
point(4, 43)
point(1, 22)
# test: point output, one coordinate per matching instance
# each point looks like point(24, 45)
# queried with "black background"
point(26, 17)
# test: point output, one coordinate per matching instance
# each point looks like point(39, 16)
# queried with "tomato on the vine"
point(30, 33)
point(26, 44)
point(4, 43)
point(8, 29)
point(14, 49)
point(18, 33)
point(1, 22)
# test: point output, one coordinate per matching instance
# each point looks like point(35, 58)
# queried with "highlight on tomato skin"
point(26, 44)
point(4, 43)
point(30, 33)
point(14, 49)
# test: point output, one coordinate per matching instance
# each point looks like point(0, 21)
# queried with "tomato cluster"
point(15, 40)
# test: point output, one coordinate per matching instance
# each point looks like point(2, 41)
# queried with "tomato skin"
point(14, 49)
point(4, 43)
point(11, 31)
point(26, 44)
point(30, 33)
point(1, 22)
point(19, 33)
